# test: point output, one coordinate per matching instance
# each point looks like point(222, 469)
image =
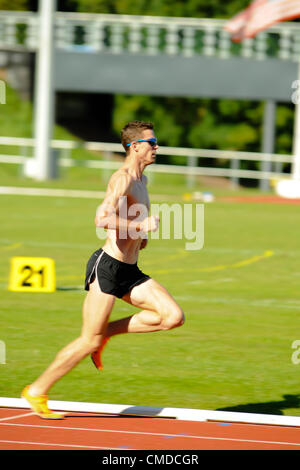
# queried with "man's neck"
point(134, 167)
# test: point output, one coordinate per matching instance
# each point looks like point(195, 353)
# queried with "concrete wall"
point(175, 76)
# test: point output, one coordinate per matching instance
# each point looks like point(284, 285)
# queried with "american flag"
point(260, 15)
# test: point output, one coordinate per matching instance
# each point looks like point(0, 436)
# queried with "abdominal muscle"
point(125, 250)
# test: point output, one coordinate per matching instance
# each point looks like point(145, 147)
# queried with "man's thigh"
point(97, 308)
point(151, 295)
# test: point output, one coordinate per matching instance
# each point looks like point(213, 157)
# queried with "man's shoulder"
point(121, 173)
point(120, 177)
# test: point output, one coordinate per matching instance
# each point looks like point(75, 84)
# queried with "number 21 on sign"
point(32, 274)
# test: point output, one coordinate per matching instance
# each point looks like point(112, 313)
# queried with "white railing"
point(266, 162)
point(150, 35)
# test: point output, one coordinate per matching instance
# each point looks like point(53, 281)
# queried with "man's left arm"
point(143, 243)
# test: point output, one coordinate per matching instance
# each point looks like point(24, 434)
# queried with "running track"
point(21, 430)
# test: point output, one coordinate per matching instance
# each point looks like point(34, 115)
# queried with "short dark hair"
point(133, 130)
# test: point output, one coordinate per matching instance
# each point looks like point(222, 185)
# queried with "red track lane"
point(20, 429)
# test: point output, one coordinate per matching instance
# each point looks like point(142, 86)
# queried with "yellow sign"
point(31, 274)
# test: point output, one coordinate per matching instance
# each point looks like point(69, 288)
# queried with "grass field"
point(240, 295)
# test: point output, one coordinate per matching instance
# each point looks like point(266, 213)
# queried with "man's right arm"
point(107, 215)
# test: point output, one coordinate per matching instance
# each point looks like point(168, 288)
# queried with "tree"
point(180, 8)
point(13, 5)
point(194, 122)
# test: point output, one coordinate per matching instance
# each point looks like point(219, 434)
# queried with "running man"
point(112, 271)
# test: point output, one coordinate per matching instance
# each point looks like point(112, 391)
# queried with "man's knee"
point(174, 318)
point(90, 345)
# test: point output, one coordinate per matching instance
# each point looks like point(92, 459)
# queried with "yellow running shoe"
point(96, 356)
point(39, 405)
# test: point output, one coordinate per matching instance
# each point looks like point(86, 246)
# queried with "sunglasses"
point(151, 141)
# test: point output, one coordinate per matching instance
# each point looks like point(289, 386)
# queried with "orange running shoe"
point(39, 405)
point(96, 356)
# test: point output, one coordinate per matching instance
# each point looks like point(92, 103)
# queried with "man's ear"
point(135, 146)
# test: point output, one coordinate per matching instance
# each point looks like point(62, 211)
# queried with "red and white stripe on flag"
point(260, 15)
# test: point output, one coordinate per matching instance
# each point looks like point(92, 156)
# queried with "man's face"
point(144, 150)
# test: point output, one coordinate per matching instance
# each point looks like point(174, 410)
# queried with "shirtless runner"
point(112, 271)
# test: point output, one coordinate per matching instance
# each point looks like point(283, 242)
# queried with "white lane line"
point(57, 445)
point(144, 433)
point(71, 193)
point(13, 190)
point(16, 417)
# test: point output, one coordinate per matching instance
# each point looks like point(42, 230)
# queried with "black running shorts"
point(114, 277)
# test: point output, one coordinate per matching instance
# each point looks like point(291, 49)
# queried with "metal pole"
point(268, 140)
point(44, 93)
